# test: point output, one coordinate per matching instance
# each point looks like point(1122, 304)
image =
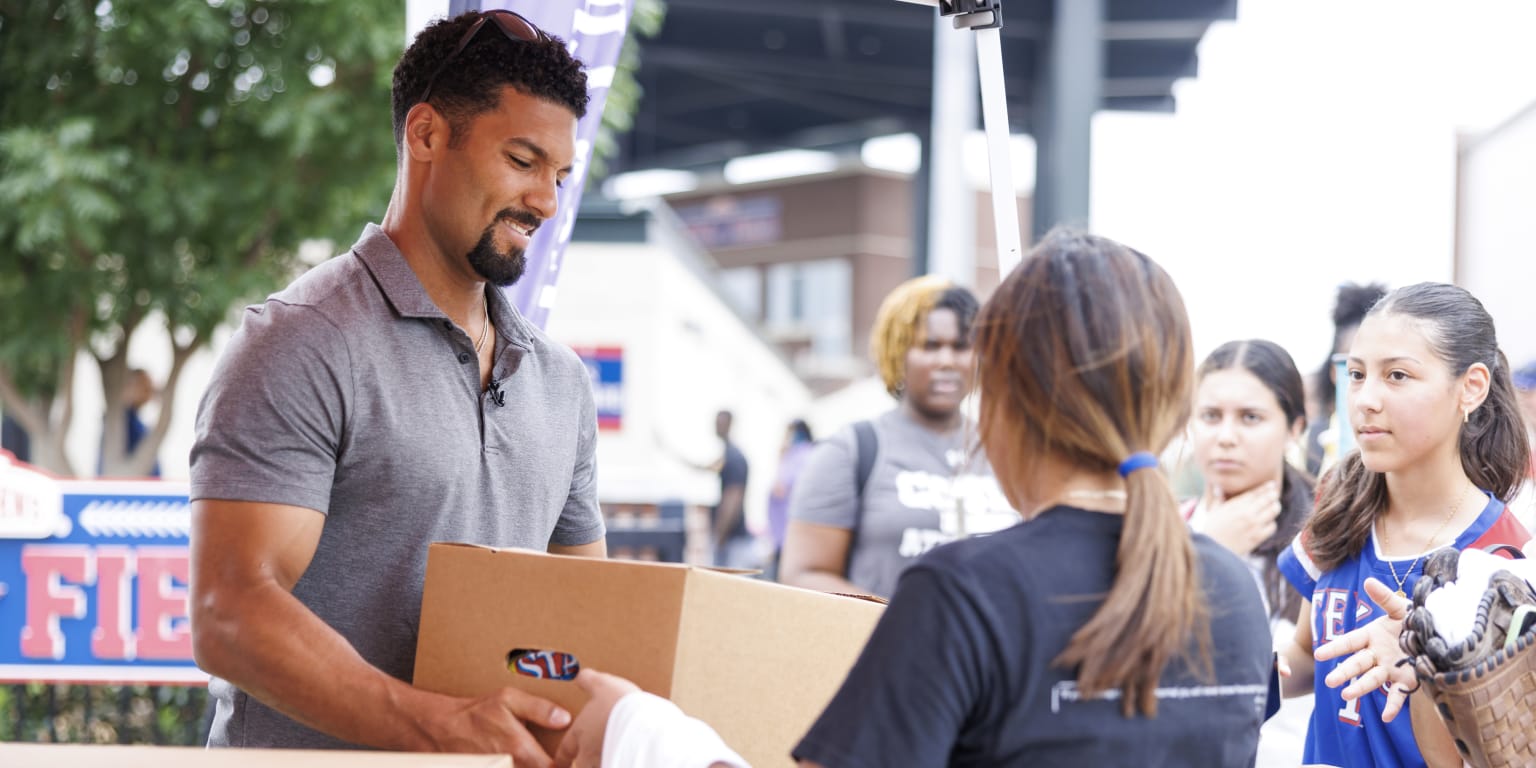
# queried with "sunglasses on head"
point(512, 24)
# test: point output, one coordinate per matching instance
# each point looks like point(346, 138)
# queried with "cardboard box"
point(757, 661)
point(91, 756)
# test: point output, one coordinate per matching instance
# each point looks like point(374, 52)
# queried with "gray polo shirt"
point(352, 394)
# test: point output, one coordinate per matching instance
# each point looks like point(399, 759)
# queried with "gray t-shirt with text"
point(924, 489)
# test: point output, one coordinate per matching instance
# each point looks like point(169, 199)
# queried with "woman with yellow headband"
point(879, 494)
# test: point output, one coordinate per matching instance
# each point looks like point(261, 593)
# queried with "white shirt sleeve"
point(647, 731)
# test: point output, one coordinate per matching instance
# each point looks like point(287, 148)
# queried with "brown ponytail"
point(1087, 357)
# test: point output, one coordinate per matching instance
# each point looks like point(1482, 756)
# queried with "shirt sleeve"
point(647, 731)
point(274, 417)
point(581, 520)
point(909, 695)
point(825, 491)
point(1296, 566)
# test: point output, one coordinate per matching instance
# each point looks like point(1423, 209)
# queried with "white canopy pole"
point(994, 115)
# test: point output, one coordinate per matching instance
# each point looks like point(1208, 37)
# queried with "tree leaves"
point(164, 159)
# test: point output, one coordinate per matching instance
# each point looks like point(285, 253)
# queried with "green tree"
point(160, 162)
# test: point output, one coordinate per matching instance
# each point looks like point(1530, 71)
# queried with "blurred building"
point(1495, 232)
point(810, 259)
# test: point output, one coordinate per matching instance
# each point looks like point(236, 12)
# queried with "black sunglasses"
point(512, 24)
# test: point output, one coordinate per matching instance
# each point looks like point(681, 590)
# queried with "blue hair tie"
point(1137, 460)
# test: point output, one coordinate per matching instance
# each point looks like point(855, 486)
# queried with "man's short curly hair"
point(471, 84)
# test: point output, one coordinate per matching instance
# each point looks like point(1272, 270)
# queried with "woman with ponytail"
point(1098, 632)
point(1441, 446)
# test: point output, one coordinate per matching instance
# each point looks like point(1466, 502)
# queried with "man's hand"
point(1374, 653)
point(494, 724)
point(583, 743)
point(1246, 520)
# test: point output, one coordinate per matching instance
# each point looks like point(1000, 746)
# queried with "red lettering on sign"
point(50, 598)
point(64, 579)
point(113, 637)
point(164, 631)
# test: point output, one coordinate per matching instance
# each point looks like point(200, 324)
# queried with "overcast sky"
point(1317, 145)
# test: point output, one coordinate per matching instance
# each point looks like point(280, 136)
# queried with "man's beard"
point(498, 269)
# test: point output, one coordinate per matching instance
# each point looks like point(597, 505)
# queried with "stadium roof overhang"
point(726, 78)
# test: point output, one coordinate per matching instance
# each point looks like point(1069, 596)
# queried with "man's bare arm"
point(598, 549)
point(249, 629)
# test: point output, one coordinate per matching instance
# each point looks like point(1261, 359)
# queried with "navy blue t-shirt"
point(959, 670)
point(733, 473)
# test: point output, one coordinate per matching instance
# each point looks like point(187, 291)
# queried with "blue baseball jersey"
point(1351, 734)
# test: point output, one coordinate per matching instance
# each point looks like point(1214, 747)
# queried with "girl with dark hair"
point(1441, 446)
point(1249, 409)
point(1099, 632)
point(876, 496)
point(1249, 406)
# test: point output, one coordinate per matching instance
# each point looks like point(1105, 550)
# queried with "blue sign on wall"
point(606, 367)
point(93, 579)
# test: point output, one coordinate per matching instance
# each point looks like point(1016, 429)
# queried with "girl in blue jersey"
point(1441, 443)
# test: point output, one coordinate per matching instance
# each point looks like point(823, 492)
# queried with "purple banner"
point(594, 32)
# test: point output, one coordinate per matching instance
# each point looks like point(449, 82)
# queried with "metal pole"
point(994, 111)
point(1076, 74)
point(951, 209)
point(921, 181)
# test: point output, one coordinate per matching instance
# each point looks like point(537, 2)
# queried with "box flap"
point(481, 604)
point(760, 661)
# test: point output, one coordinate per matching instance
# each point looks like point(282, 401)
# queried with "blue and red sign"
point(93, 579)
point(606, 367)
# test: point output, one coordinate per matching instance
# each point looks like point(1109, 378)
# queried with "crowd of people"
point(1051, 601)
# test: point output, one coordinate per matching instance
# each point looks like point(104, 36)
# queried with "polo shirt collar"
point(404, 292)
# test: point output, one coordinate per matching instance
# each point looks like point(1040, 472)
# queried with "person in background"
point(734, 546)
point(1524, 380)
point(1249, 408)
point(1523, 505)
point(1441, 445)
point(138, 390)
point(1349, 308)
point(879, 494)
point(14, 438)
point(797, 446)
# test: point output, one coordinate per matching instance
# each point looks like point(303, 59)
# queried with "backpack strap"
point(867, 446)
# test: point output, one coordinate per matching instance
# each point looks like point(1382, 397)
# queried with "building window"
point(743, 286)
point(810, 302)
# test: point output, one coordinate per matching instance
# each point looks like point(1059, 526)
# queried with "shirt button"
point(464, 357)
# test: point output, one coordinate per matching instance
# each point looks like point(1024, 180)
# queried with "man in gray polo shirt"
point(389, 398)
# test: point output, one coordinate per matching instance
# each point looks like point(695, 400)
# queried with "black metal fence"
point(104, 714)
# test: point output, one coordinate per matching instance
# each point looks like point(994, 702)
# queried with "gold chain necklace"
point(1428, 545)
point(485, 329)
